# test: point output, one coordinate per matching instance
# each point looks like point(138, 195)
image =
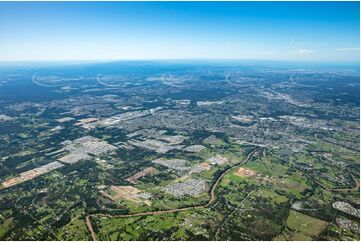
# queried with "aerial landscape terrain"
point(180, 121)
point(179, 150)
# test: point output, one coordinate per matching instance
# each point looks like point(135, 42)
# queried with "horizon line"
point(176, 59)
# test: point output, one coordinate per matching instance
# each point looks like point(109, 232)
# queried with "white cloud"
point(300, 51)
point(305, 51)
point(348, 49)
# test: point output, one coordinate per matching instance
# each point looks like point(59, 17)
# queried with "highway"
point(212, 199)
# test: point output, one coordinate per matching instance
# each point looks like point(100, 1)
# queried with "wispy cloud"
point(305, 51)
point(300, 51)
point(348, 49)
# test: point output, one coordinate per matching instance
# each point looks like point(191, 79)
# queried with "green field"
point(302, 227)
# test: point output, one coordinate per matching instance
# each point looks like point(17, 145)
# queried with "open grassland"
point(302, 227)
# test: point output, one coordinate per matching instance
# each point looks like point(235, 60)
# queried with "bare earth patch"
point(128, 193)
point(245, 172)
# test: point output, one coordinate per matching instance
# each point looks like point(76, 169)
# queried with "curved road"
point(211, 200)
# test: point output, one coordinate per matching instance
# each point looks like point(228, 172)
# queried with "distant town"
point(191, 151)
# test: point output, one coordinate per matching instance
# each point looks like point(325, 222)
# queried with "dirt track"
point(355, 188)
point(211, 201)
point(90, 227)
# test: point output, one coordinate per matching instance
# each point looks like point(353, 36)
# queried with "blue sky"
point(297, 31)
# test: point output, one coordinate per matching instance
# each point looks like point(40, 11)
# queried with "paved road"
point(210, 202)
